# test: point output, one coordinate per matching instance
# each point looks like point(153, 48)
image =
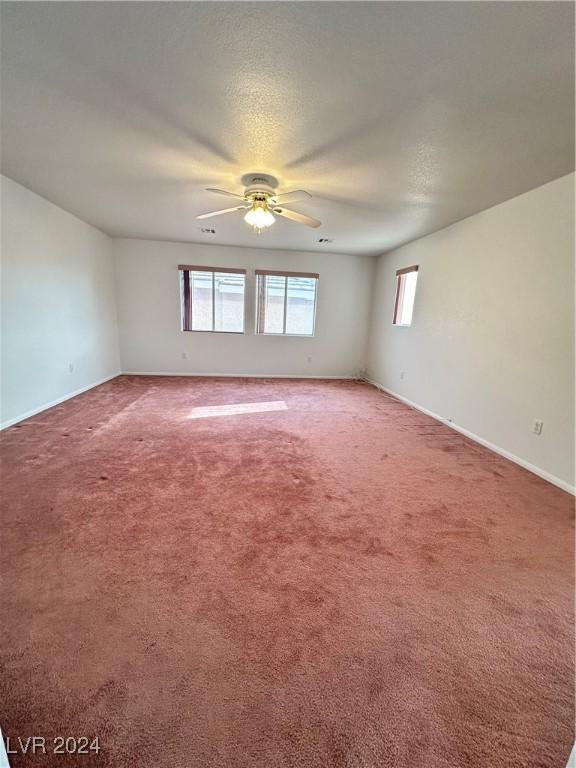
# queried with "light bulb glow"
point(259, 216)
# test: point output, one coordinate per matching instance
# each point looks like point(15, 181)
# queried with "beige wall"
point(149, 313)
point(491, 346)
point(59, 333)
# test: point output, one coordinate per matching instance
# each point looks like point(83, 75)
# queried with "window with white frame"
point(212, 298)
point(405, 294)
point(286, 302)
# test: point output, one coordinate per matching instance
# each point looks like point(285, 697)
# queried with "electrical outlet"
point(71, 367)
point(309, 358)
point(537, 426)
point(402, 374)
point(184, 355)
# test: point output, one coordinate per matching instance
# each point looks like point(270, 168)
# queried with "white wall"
point(58, 304)
point(491, 346)
point(149, 313)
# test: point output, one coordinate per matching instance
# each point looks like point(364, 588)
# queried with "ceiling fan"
point(262, 203)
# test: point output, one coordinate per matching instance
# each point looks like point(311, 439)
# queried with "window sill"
point(289, 335)
point(229, 333)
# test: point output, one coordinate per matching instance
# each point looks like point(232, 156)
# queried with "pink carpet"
point(338, 583)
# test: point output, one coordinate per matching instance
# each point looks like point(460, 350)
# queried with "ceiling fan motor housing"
point(260, 187)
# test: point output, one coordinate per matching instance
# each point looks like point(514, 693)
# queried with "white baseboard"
point(346, 377)
point(51, 404)
point(477, 439)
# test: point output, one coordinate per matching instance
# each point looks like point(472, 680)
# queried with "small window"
point(405, 293)
point(286, 303)
point(212, 299)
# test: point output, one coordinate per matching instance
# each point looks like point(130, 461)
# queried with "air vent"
point(325, 240)
point(207, 231)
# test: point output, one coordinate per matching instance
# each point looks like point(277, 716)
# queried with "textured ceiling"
point(400, 118)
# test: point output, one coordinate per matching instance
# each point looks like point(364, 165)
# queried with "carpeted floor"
point(338, 583)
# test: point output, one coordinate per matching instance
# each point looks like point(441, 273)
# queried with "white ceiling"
point(400, 118)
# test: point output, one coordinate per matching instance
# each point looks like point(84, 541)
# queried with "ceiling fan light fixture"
point(259, 216)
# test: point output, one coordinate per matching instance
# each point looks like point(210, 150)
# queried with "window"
point(212, 299)
point(286, 302)
point(405, 293)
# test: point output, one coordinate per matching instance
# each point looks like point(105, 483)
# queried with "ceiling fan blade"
point(291, 197)
point(294, 216)
point(224, 192)
point(224, 210)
